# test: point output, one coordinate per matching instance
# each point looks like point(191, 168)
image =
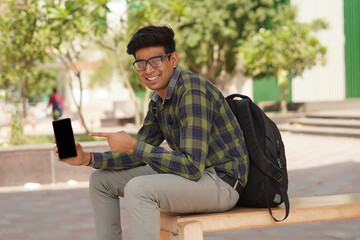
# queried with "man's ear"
point(174, 59)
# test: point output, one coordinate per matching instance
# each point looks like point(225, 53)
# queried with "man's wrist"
point(90, 163)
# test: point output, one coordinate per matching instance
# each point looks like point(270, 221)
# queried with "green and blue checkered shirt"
point(199, 127)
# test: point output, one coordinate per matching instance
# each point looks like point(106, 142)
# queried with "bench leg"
point(190, 230)
point(164, 235)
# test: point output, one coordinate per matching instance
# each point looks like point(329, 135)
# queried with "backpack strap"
point(285, 198)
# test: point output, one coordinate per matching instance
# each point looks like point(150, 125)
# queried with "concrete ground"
point(317, 166)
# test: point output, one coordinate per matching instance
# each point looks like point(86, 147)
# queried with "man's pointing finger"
point(100, 134)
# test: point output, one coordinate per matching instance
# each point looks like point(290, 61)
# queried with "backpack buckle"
point(279, 178)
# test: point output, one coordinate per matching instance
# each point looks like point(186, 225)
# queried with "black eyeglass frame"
point(148, 61)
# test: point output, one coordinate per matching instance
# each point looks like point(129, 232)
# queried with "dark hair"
point(152, 36)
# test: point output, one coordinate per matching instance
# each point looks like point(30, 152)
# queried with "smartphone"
point(64, 137)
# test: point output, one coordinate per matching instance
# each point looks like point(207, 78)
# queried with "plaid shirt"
point(198, 125)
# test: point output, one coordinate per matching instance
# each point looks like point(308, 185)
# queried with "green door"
point(352, 47)
point(266, 90)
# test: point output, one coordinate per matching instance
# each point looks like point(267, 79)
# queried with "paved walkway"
point(317, 166)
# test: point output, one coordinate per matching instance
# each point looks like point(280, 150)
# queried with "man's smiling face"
point(157, 78)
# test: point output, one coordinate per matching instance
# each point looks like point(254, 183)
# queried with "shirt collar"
point(171, 85)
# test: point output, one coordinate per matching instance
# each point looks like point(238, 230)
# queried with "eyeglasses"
point(154, 62)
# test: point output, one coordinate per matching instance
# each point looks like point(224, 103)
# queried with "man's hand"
point(82, 157)
point(118, 142)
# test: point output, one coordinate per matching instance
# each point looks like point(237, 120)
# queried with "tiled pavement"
point(317, 166)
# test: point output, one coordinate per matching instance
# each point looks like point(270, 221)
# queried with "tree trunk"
point(18, 119)
point(24, 96)
point(284, 91)
point(77, 71)
point(114, 50)
point(79, 105)
point(129, 87)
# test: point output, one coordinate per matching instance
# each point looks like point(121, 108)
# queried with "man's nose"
point(148, 68)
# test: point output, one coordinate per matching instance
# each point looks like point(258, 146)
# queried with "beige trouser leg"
point(146, 193)
point(105, 189)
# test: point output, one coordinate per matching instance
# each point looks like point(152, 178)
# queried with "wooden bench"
point(303, 210)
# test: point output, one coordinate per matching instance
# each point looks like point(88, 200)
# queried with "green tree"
point(73, 22)
point(283, 52)
point(207, 31)
point(24, 40)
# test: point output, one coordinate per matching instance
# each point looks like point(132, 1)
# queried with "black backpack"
point(268, 180)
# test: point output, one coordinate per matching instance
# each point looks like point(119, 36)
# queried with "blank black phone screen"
point(64, 137)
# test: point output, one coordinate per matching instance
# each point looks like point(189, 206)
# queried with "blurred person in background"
point(57, 102)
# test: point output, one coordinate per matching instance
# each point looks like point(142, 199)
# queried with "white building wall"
point(323, 83)
point(96, 102)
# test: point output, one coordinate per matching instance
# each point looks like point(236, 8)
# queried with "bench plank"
point(303, 210)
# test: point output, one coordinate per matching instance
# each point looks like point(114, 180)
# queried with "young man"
point(206, 168)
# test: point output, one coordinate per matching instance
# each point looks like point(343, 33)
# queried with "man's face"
point(157, 78)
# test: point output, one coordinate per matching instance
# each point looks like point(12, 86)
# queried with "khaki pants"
point(146, 193)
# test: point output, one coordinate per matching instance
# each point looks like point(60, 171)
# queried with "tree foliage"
point(207, 31)
point(284, 51)
point(24, 40)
